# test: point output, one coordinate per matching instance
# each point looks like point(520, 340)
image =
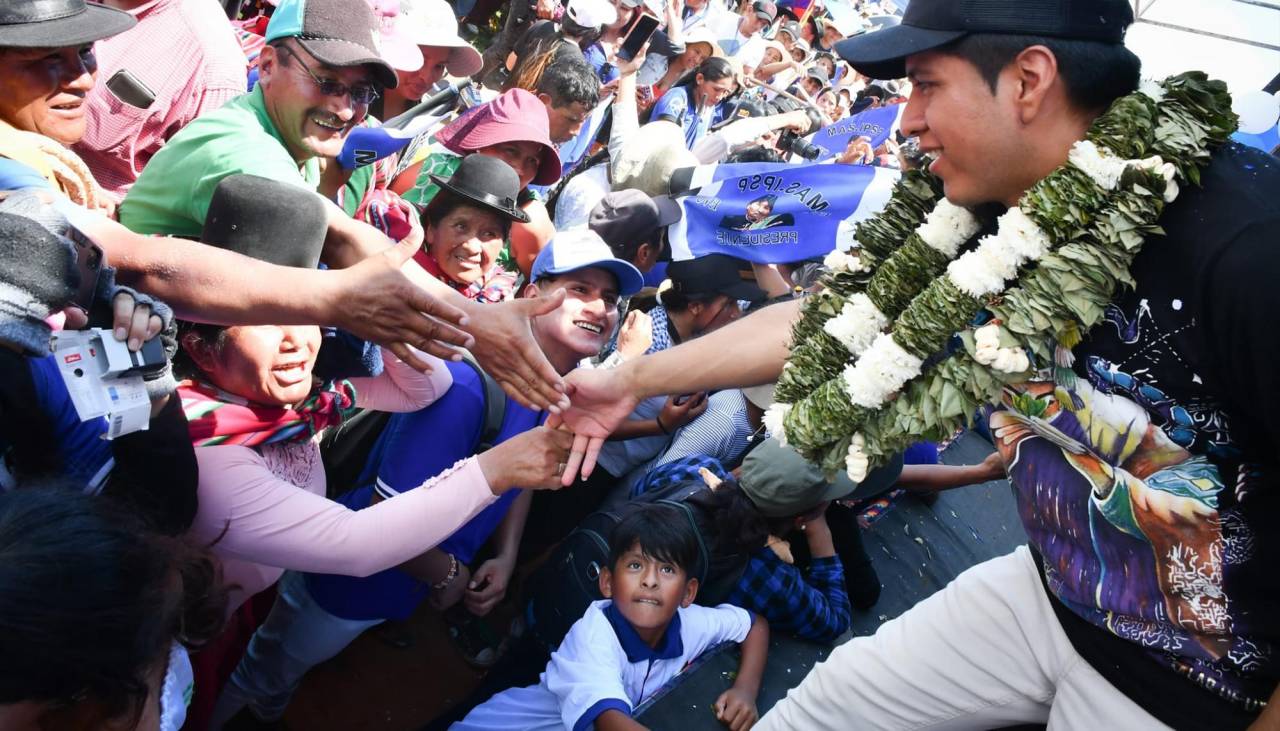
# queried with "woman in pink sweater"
point(255, 412)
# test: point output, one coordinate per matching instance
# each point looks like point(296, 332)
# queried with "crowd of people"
point(461, 364)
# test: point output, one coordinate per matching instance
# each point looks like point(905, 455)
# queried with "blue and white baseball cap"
point(569, 251)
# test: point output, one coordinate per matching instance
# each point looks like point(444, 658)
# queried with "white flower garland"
point(774, 418)
point(1167, 170)
point(857, 325)
point(880, 372)
point(945, 230)
point(1103, 168)
point(988, 352)
point(947, 227)
point(842, 261)
point(1016, 242)
point(881, 368)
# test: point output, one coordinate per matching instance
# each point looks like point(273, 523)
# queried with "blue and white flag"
point(367, 144)
point(777, 213)
point(876, 124)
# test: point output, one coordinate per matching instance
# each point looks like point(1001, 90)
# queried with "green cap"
point(781, 483)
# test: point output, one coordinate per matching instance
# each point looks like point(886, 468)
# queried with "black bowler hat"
point(58, 23)
point(930, 24)
point(276, 222)
point(485, 182)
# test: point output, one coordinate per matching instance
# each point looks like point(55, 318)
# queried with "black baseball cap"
point(626, 217)
point(930, 24)
point(714, 274)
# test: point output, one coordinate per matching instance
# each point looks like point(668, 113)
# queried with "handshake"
point(532, 460)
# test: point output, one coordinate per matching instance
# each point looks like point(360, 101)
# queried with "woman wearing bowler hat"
point(466, 225)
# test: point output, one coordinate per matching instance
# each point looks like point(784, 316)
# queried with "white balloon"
point(1258, 111)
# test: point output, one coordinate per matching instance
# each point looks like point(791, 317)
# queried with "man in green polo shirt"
point(318, 74)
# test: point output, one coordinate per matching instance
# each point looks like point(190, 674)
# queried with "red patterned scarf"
point(217, 417)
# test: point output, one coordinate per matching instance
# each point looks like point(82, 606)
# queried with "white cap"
point(432, 23)
point(591, 13)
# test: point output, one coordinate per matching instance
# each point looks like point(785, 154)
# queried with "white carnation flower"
point(973, 277)
point(986, 355)
point(775, 421)
point(842, 261)
point(1101, 167)
point(856, 462)
point(1167, 170)
point(1005, 360)
point(1152, 89)
point(880, 372)
point(1027, 238)
point(857, 324)
point(948, 227)
point(987, 334)
point(998, 257)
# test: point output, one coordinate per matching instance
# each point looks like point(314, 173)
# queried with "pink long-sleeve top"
point(264, 510)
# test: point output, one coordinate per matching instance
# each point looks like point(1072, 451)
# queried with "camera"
point(793, 142)
point(104, 378)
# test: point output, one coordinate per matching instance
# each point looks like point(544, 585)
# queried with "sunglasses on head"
point(363, 94)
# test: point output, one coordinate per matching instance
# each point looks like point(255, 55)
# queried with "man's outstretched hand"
point(505, 347)
point(376, 301)
point(600, 401)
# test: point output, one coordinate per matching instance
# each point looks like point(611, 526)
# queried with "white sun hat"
point(432, 23)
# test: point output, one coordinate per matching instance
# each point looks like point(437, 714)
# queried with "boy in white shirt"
point(629, 645)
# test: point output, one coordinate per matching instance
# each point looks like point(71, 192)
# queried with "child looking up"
point(630, 644)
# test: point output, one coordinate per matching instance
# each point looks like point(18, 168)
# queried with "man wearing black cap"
point(634, 225)
point(1147, 597)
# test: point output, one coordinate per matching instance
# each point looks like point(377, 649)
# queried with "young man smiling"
point(318, 615)
point(1146, 596)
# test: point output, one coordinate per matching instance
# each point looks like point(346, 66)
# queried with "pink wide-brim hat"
point(515, 116)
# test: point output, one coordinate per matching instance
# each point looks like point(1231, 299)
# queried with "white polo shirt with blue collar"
point(604, 665)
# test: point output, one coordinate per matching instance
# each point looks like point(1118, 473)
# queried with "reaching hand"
point(628, 67)
point(600, 401)
point(859, 152)
point(488, 585)
point(737, 710)
point(376, 301)
point(680, 410)
point(636, 335)
point(534, 460)
point(506, 349)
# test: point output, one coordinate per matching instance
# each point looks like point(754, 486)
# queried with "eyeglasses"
point(363, 94)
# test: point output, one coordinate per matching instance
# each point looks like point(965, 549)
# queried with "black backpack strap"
point(495, 405)
point(704, 551)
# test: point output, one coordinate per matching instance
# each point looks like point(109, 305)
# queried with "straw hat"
point(648, 159)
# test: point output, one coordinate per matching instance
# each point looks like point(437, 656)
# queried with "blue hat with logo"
point(569, 251)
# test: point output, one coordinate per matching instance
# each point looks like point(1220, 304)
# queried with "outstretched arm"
point(746, 353)
point(736, 707)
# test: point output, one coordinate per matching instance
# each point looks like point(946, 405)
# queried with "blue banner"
point(876, 124)
point(370, 142)
point(787, 214)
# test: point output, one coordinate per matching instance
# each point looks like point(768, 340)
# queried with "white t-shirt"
point(602, 664)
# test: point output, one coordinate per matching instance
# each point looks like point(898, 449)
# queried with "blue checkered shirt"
point(812, 605)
